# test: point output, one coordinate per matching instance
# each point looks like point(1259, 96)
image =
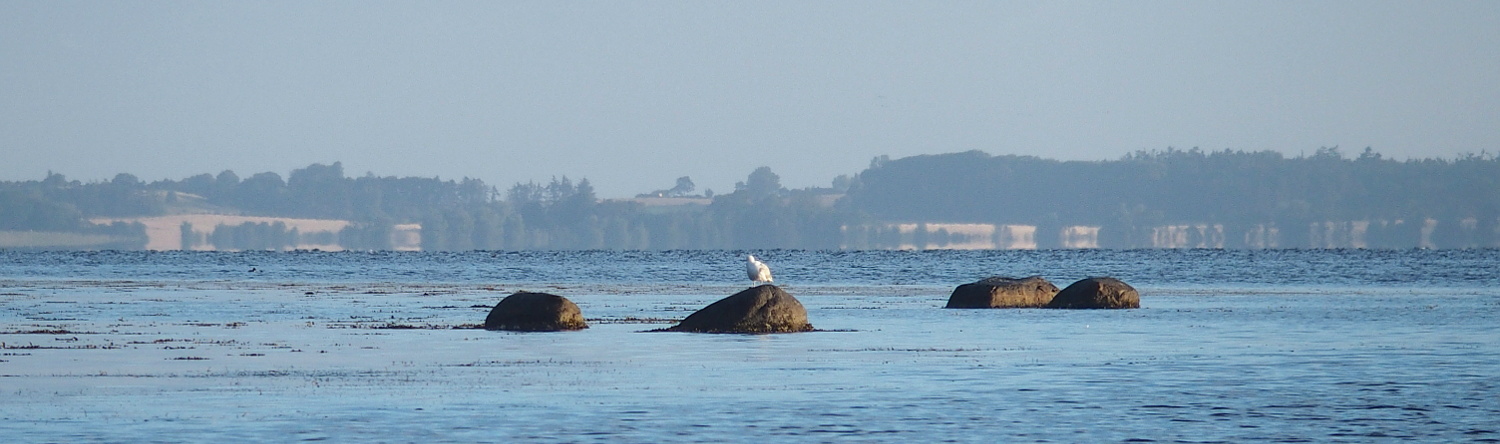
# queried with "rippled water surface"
point(1278, 346)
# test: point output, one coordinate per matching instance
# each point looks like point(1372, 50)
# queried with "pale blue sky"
point(632, 95)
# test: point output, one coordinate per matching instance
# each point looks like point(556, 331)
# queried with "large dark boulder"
point(527, 311)
point(1097, 292)
point(1003, 292)
point(758, 310)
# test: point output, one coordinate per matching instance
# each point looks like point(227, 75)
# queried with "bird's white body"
point(757, 270)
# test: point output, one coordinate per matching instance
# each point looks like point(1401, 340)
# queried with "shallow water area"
point(190, 348)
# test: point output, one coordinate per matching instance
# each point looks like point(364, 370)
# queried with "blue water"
point(1213, 268)
point(1229, 346)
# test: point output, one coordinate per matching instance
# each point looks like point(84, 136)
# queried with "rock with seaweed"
point(1097, 292)
point(1003, 292)
point(757, 310)
point(527, 311)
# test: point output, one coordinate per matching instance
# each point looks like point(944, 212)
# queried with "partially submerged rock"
point(527, 311)
point(1003, 292)
point(1097, 292)
point(757, 310)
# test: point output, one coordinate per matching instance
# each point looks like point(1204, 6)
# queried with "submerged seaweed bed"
point(105, 359)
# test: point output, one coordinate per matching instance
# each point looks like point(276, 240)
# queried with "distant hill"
point(972, 200)
point(1242, 199)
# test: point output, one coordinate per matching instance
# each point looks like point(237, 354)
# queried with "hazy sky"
point(632, 95)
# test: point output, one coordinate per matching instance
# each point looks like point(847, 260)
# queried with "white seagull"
point(757, 270)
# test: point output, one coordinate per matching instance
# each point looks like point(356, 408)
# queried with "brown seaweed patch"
point(724, 332)
point(47, 331)
point(527, 363)
point(30, 346)
point(634, 320)
point(400, 326)
point(158, 341)
point(211, 324)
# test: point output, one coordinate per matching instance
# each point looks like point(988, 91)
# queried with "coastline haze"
point(633, 95)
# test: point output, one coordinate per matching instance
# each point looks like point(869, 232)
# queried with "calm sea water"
point(1229, 346)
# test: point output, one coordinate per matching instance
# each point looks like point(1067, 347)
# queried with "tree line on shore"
point(1238, 190)
point(1241, 195)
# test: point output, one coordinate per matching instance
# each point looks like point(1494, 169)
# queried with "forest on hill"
point(1238, 190)
point(1224, 199)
